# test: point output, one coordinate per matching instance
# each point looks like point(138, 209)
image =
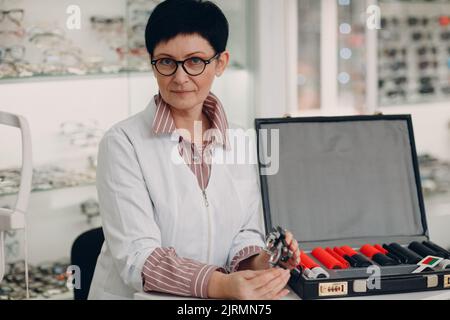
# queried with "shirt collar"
point(163, 122)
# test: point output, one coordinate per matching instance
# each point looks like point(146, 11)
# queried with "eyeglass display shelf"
point(47, 281)
point(412, 58)
point(432, 99)
point(90, 184)
point(61, 179)
point(72, 76)
point(68, 295)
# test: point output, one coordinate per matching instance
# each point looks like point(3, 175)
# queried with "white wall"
point(48, 103)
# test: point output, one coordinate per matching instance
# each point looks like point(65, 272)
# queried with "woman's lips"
point(182, 92)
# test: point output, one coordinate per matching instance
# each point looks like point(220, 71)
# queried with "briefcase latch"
point(432, 281)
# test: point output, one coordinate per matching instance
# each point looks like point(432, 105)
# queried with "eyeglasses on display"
point(14, 15)
point(16, 52)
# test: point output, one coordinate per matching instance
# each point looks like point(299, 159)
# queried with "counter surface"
point(424, 295)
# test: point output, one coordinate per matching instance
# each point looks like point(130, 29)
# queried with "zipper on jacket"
point(209, 225)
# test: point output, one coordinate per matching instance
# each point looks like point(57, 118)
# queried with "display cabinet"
point(414, 52)
point(56, 37)
point(405, 62)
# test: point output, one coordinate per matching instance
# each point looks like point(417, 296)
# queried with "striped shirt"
point(198, 158)
point(163, 270)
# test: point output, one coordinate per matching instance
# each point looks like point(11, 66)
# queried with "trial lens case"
point(346, 181)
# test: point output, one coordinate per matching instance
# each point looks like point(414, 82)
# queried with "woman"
point(176, 221)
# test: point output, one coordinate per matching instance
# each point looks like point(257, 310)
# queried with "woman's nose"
point(180, 76)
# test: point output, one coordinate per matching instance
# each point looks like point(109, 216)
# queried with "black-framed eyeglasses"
point(14, 15)
point(193, 66)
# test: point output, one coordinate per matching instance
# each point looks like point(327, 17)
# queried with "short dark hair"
point(174, 17)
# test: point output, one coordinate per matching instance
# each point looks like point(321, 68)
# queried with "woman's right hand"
point(252, 285)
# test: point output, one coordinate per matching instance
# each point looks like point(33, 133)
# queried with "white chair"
point(13, 219)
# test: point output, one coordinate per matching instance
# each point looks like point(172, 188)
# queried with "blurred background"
point(288, 57)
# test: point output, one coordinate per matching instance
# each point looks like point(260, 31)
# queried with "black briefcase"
point(349, 182)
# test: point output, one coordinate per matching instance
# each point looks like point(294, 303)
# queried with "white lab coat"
point(148, 201)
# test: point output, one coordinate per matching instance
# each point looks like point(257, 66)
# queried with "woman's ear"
point(222, 63)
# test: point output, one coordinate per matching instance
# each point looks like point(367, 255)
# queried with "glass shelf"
point(48, 178)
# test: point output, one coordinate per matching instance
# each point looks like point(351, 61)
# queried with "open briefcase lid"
point(342, 180)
